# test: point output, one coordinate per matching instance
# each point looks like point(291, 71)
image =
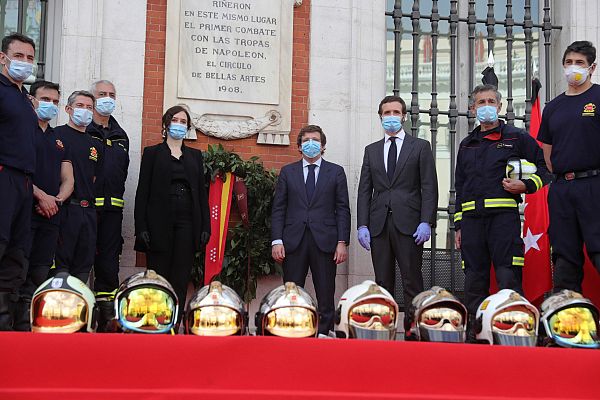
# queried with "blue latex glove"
point(364, 237)
point(422, 234)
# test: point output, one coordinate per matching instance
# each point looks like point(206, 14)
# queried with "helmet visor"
point(514, 326)
point(295, 322)
point(214, 321)
point(575, 327)
point(147, 310)
point(58, 311)
point(442, 324)
point(372, 319)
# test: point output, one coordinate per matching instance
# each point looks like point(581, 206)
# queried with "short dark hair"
point(168, 116)
point(77, 93)
point(7, 40)
point(583, 47)
point(41, 84)
point(391, 99)
point(311, 128)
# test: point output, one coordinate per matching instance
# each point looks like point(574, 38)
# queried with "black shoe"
point(7, 308)
point(21, 321)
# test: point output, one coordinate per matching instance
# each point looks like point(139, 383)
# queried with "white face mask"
point(576, 75)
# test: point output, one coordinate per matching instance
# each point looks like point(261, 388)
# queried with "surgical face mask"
point(391, 123)
point(46, 110)
point(576, 75)
point(487, 114)
point(82, 116)
point(177, 131)
point(311, 148)
point(105, 106)
point(19, 70)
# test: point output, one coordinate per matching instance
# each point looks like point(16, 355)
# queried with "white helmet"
point(570, 320)
point(507, 318)
point(520, 168)
point(438, 316)
point(63, 304)
point(216, 310)
point(287, 311)
point(367, 311)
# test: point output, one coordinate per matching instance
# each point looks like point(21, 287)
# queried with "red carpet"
point(113, 366)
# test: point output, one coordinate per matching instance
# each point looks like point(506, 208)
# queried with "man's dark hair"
point(391, 99)
point(583, 47)
point(311, 128)
point(7, 40)
point(484, 88)
point(41, 84)
point(168, 116)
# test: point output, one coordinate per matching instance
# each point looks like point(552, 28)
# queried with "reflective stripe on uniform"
point(458, 216)
point(117, 202)
point(99, 201)
point(500, 202)
point(110, 295)
point(518, 261)
point(462, 264)
point(468, 205)
point(537, 180)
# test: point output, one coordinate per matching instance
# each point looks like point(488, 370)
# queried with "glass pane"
point(9, 16)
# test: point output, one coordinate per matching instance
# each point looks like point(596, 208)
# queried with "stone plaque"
point(229, 50)
point(230, 62)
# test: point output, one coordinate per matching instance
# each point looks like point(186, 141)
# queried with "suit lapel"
point(298, 179)
point(407, 147)
point(323, 175)
point(379, 165)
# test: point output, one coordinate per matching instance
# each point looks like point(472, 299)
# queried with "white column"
point(106, 40)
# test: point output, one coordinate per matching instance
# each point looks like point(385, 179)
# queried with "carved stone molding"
point(297, 3)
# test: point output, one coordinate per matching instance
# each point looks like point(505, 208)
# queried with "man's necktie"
point(310, 181)
point(391, 161)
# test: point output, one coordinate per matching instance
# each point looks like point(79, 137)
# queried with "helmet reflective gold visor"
point(147, 309)
point(214, 321)
point(294, 322)
point(58, 311)
point(514, 326)
point(372, 319)
point(575, 326)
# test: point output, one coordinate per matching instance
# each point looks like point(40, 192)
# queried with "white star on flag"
point(531, 240)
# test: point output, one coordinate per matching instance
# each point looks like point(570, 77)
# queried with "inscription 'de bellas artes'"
point(234, 57)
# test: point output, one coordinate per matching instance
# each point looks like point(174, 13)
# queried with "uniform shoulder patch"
point(93, 154)
point(589, 110)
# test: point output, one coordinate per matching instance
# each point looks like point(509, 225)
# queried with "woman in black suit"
point(171, 204)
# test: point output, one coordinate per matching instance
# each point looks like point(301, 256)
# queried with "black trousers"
point(109, 244)
point(390, 247)
point(76, 241)
point(44, 239)
point(486, 240)
point(574, 211)
point(16, 199)
point(323, 269)
point(176, 264)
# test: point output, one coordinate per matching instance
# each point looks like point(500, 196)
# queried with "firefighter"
point(18, 123)
point(570, 133)
point(77, 233)
point(109, 191)
point(52, 184)
point(488, 226)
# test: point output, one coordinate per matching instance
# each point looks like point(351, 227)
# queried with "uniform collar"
point(493, 134)
point(6, 82)
point(317, 163)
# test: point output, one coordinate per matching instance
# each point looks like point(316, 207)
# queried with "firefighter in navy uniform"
point(52, 184)
point(110, 188)
point(488, 226)
point(77, 234)
point(570, 136)
point(18, 123)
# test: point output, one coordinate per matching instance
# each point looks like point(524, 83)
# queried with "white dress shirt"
point(387, 144)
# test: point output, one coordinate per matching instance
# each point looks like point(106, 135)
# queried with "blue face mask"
point(391, 123)
point(82, 116)
point(177, 131)
point(46, 110)
point(105, 106)
point(19, 70)
point(311, 148)
point(487, 114)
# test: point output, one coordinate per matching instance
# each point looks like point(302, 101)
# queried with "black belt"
point(178, 188)
point(569, 176)
point(82, 203)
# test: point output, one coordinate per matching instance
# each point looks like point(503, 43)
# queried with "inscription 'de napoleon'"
point(229, 51)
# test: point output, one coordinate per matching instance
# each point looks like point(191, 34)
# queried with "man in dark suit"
point(397, 201)
point(310, 221)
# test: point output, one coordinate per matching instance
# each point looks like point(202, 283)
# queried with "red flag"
point(591, 281)
point(219, 202)
point(537, 272)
